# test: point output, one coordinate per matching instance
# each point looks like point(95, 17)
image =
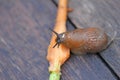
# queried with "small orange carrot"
point(57, 56)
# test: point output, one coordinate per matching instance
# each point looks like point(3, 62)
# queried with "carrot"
point(57, 56)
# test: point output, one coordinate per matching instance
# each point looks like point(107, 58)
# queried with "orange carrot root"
point(57, 56)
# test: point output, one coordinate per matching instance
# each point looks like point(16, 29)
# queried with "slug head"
point(58, 39)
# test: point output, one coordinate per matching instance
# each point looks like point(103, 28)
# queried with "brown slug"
point(81, 41)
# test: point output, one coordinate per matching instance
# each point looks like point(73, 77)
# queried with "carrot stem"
point(54, 76)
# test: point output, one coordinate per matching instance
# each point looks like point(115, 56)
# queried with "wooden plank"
point(101, 13)
point(24, 37)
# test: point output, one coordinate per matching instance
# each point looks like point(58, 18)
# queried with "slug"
point(82, 41)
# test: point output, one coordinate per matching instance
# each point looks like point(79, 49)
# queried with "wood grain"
point(24, 38)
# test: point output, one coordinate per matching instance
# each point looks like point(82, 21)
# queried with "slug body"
point(86, 40)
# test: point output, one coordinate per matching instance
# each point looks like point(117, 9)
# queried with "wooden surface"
point(24, 38)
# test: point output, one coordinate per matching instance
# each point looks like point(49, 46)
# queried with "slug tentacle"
point(58, 41)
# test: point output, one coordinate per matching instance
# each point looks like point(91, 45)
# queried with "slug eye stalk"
point(54, 32)
point(58, 41)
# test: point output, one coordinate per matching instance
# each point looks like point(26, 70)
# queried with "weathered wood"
point(100, 13)
point(24, 37)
